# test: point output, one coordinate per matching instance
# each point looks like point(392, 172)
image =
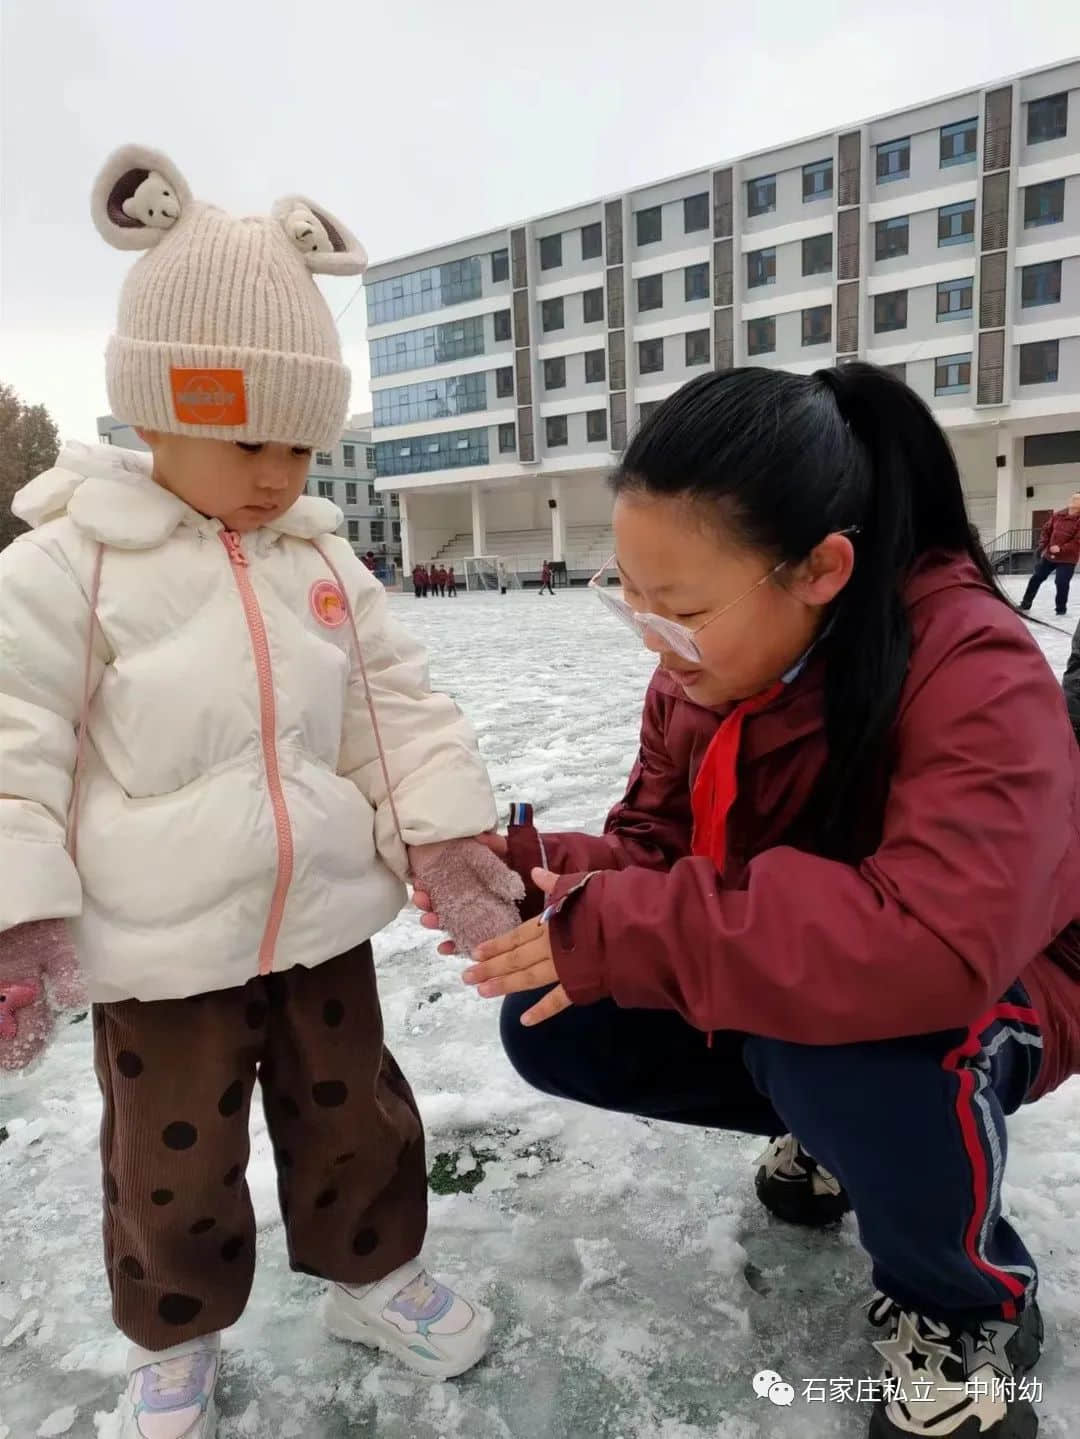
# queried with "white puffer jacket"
point(233, 815)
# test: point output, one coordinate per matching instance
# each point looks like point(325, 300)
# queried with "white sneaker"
point(412, 1316)
point(170, 1393)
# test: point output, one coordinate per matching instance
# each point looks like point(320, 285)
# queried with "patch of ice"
point(58, 1422)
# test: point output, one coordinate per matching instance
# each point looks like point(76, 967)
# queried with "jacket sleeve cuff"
point(37, 881)
point(575, 939)
point(524, 853)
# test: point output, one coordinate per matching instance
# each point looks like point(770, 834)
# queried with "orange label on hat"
point(209, 397)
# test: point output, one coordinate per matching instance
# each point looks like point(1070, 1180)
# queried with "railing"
point(1013, 553)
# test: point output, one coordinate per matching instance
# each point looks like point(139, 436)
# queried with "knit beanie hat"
point(222, 330)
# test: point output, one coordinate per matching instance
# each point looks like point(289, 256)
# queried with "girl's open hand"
point(521, 960)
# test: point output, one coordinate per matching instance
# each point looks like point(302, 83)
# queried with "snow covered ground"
point(638, 1285)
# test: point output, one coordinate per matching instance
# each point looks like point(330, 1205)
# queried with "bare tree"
point(29, 443)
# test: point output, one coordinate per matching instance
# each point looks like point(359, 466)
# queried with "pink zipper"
point(268, 720)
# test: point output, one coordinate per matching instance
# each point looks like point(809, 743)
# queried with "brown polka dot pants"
point(177, 1078)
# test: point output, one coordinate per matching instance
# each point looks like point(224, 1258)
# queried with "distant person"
point(1072, 684)
point(1059, 552)
point(502, 577)
point(440, 581)
point(425, 580)
point(369, 560)
point(451, 583)
point(418, 581)
point(545, 579)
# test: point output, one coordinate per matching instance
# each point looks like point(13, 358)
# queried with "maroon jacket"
point(1063, 530)
point(972, 873)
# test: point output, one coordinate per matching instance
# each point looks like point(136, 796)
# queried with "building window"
point(378, 532)
point(395, 499)
point(595, 367)
point(370, 457)
point(817, 255)
point(324, 457)
point(697, 348)
point(696, 282)
point(352, 528)
point(650, 293)
point(507, 439)
point(435, 345)
point(650, 357)
point(551, 314)
point(695, 213)
point(395, 530)
point(348, 456)
point(556, 431)
point(817, 325)
point(555, 373)
point(1039, 363)
point(1040, 284)
point(595, 425)
point(1048, 119)
point(592, 305)
point(423, 290)
point(761, 336)
point(891, 238)
point(956, 223)
point(326, 489)
point(502, 325)
point(500, 266)
point(649, 226)
point(952, 375)
point(430, 400)
point(551, 252)
point(817, 180)
point(647, 410)
point(958, 143)
point(504, 382)
point(890, 311)
point(351, 492)
point(760, 268)
point(1044, 204)
point(761, 195)
point(894, 160)
point(954, 299)
point(592, 241)
point(453, 450)
point(372, 495)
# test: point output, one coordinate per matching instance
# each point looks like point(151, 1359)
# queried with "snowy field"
point(637, 1284)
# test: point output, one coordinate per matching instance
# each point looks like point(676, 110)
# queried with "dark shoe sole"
point(795, 1204)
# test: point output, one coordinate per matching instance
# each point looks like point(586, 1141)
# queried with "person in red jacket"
point(838, 905)
point(451, 583)
point(1059, 554)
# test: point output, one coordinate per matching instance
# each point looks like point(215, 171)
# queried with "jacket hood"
point(110, 495)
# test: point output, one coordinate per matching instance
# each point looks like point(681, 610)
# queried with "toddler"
point(193, 675)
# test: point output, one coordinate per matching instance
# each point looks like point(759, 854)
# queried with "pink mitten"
point(472, 891)
point(30, 954)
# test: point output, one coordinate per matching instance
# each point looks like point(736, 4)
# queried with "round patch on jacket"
point(328, 604)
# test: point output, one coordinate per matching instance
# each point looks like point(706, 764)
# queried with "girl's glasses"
point(673, 636)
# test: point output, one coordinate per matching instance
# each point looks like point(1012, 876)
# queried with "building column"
point(479, 529)
point(407, 545)
point(558, 521)
point(1008, 514)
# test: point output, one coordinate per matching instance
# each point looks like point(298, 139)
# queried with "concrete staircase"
point(587, 547)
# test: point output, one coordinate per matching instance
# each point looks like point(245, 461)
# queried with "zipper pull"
point(231, 540)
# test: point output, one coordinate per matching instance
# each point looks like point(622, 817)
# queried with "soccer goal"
point(490, 572)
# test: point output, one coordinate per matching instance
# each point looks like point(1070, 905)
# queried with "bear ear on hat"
point(324, 243)
point(138, 195)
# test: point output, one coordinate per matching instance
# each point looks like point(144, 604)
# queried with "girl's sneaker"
point(792, 1185)
point(412, 1316)
point(955, 1382)
point(170, 1393)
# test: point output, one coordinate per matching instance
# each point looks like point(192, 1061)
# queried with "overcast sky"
point(417, 121)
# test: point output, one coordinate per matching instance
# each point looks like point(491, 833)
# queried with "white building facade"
point(344, 474)
point(942, 241)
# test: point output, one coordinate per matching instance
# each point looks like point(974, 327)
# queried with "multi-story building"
point(942, 241)
point(344, 474)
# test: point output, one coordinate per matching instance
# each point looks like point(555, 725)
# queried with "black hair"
point(788, 459)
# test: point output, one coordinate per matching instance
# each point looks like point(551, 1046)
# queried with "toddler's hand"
point(466, 889)
point(39, 977)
